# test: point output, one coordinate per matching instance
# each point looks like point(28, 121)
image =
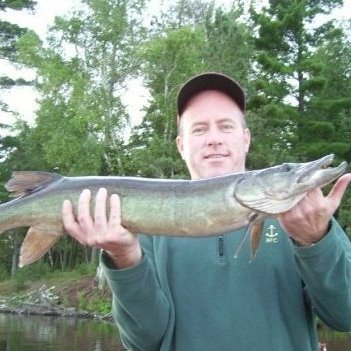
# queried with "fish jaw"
point(322, 176)
point(307, 176)
point(277, 189)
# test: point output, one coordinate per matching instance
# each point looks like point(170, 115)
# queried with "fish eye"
point(286, 167)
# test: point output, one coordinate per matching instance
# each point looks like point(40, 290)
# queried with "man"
point(188, 294)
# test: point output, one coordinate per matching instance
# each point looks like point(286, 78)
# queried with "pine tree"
point(289, 76)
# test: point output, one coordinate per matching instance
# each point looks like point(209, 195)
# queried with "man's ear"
point(247, 139)
point(179, 142)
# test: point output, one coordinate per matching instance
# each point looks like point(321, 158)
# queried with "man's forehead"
point(214, 120)
point(210, 98)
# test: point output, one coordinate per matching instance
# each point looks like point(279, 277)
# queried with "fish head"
point(277, 189)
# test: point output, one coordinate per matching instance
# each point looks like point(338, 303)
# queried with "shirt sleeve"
point(139, 306)
point(326, 271)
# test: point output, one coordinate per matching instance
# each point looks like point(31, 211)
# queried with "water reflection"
point(37, 333)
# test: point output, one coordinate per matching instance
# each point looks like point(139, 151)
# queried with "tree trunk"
point(94, 255)
point(16, 248)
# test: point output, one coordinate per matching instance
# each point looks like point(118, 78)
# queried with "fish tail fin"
point(35, 245)
point(23, 183)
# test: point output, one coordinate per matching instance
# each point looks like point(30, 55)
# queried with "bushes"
point(33, 272)
point(95, 301)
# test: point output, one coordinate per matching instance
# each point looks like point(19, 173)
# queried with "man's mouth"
point(215, 156)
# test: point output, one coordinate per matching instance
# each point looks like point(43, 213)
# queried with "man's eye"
point(227, 127)
point(198, 130)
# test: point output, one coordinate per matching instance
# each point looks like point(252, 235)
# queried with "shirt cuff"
point(321, 245)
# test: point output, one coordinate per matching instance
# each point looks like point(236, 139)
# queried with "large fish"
point(195, 208)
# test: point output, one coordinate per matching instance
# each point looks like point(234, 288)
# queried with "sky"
point(23, 99)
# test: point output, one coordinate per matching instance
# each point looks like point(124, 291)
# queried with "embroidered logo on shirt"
point(271, 236)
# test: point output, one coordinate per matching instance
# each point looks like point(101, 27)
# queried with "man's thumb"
point(338, 190)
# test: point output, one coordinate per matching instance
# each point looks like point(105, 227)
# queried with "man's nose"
point(214, 137)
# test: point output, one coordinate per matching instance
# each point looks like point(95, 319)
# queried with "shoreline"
point(49, 310)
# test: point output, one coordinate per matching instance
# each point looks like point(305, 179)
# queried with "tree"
point(328, 107)
point(286, 81)
point(182, 45)
point(81, 119)
point(229, 47)
point(9, 34)
point(169, 60)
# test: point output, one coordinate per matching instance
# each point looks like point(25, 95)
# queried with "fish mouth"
point(320, 171)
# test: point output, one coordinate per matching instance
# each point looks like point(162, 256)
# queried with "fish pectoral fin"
point(254, 229)
point(256, 238)
point(35, 245)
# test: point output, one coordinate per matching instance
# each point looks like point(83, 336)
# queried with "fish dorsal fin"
point(35, 245)
point(26, 182)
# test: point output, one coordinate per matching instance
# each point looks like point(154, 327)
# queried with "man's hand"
point(99, 231)
point(308, 221)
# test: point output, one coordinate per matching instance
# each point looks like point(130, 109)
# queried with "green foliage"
point(94, 301)
point(81, 119)
point(4, 274)
point(17, 4)
point(88, 269)
point(292, 76)
point(9, 33)
point(35, 271)
point(229, 46)
point(24, 277)
point(168, 60)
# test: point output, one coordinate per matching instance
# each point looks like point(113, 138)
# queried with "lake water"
point(38, 333)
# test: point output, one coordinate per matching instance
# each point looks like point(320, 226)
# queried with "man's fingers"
point(336, 193)
point(67, 213)
point(69, 222)
point(115, 210)
point(100, 208)
point(84, 216)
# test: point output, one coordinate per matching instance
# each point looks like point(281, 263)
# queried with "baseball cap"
point(210, 81)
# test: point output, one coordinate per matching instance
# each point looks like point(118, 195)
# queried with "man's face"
point(213, 140)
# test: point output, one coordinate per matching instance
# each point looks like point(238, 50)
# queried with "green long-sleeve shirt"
point(190, 294)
